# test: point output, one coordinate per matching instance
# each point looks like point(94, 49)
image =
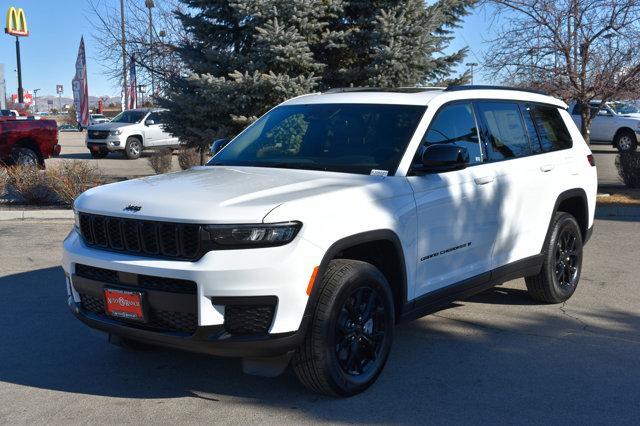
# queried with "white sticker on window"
point(375, 172)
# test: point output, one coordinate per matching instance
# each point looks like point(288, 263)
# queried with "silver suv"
point(131, 132)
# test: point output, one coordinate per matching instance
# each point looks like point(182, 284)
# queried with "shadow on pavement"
point(541, 368)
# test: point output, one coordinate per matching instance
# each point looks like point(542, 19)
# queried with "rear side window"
point(455, 124)
point(552, 131)
point(503, 133)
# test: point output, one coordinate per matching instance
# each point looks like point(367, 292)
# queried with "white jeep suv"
point(332, 218)
point(130, 132)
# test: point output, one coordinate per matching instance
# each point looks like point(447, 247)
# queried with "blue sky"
point(55, 26)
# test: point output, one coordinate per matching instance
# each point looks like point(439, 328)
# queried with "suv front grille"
point(98, 134)
point(142, 237)
point(182, 322)
point(146, 282)
point(159, 319)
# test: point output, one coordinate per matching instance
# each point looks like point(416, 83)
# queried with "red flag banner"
point(81, 88)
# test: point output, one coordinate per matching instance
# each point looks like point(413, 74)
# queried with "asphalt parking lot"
point(115, 165)
point(497, 358)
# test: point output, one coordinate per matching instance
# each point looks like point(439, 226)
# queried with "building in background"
point(3, 89)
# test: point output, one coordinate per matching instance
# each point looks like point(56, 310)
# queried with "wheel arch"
point(383, 249)
point(574, 202)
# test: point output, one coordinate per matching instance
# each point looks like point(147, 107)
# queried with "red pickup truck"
point(27, 140)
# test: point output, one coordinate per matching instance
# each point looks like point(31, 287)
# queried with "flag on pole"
point(81, 88)
point(133, 100)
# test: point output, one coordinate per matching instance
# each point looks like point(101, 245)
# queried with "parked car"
point(93, 119)
point(621, 130)
point(130, 132)
point(28, 141)
point(332, 218)
point(67, 128)
point(9, 113)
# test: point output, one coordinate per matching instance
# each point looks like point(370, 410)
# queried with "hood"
point(635, 115)
point(214, 194)
point(109, 126)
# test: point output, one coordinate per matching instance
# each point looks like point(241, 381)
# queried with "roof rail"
point(485, 87)
point(381, 89)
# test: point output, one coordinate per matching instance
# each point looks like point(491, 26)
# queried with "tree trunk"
point(585, 123)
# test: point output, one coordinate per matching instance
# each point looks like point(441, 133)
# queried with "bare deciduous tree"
point(154, 52)
point(575, 49)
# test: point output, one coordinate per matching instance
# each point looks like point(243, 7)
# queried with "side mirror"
point(218, 144)
point(444, 158)
point(149, 123)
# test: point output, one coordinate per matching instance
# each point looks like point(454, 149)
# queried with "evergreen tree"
point(245, 57)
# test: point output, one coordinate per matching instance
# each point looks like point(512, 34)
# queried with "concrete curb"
point(604, 211)
point(43, 214)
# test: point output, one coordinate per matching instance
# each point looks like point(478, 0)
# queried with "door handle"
point(483, 180)
point(546, 168)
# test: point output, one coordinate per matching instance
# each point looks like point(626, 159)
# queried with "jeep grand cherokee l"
point(332, 218)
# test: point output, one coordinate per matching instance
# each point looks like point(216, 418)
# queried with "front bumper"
point(279, 272)
point(111, 143)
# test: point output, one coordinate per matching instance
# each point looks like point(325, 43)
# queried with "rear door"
point(457, 220)
point(168, 138)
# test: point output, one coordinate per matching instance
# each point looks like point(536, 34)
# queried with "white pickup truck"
point(615, 123)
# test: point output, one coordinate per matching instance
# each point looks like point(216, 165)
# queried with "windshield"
point(623, 108)
point(350, 138)
point(98, 116)
point(130, 116)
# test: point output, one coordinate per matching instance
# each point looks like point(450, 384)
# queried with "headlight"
point(249, 236)
point(115, 132)
point(76, 219)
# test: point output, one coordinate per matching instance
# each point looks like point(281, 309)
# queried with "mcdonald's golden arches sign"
point(16, 22)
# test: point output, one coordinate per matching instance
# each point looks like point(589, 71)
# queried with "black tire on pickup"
point(625, 141)
point(133, 148)
point(349, 338)
point(558, 279)
point(21, 156)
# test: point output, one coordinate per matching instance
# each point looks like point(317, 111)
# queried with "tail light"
point(591, 160)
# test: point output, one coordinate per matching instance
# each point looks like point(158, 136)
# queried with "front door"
point(153, 133)
point(457, 220)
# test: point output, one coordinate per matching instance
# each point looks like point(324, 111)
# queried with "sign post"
point(17, 26)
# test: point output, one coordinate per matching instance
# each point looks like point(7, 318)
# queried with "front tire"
point(558, 279)
point(349, 339)
point(25, 157)
point(133, 148)
point(625, 141)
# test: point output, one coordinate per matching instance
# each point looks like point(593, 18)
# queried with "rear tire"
point(625, 141)
point(349, 339)
point(558, 279)
point(25, 157)
point(133, 148)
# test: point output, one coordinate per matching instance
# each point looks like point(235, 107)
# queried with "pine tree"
point(244, 57)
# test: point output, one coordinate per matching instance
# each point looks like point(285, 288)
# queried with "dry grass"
point(3, 181)
point(620, 196)
point(188, 157)
point(160, 161)
point(30, 184)
point(71, 178)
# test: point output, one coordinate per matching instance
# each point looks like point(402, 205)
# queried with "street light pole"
point(149, 4)
point(472, 65)
point(35, 99)
point(124, 56)
point(19, 67)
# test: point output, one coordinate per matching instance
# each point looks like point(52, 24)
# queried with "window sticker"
point(375, 172)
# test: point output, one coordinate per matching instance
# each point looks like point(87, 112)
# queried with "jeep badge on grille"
point(132, 208)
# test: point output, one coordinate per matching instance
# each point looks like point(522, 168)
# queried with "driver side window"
point(454, 124)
